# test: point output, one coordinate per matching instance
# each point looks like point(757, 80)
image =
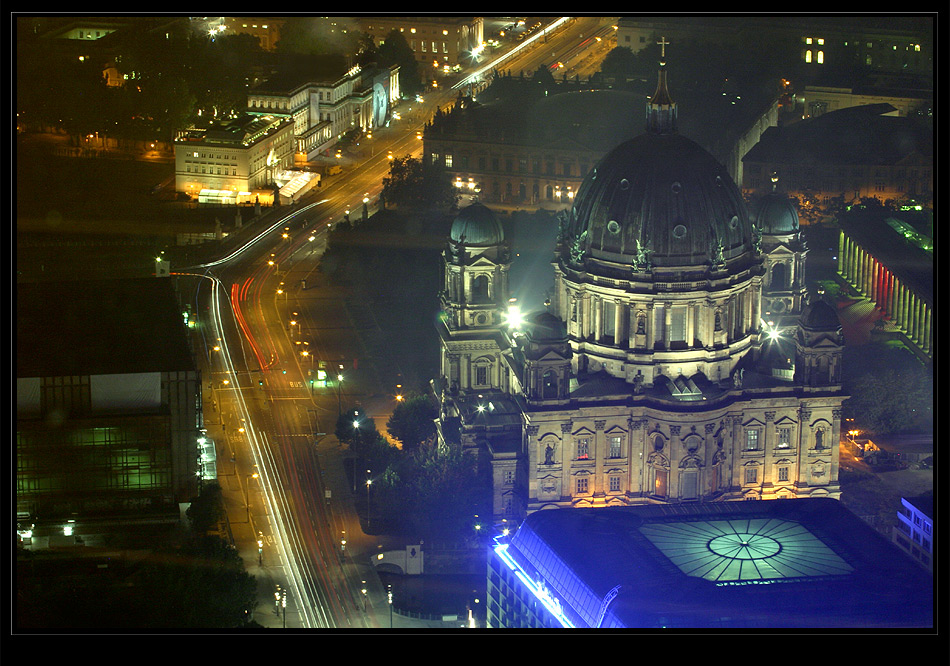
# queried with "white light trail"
point(261, 235)
point(487, 68)
point(270, 489)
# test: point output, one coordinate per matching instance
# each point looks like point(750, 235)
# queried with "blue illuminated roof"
point(779, 563)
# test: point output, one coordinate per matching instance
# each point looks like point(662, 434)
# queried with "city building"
point(440, 43)
point(817, 100)
point(108, 406)
point(887, 257)
point(265, 28)
point(531, 140)
point(325, 98)
point(882, 44)
point(516, 145)
point(651, 377)
point(235, 160)
point(915, 529)
point(852, 153)
point(797, 564)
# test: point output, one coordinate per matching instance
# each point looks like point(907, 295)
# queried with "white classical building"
point(328, 104)
point(651, 378)
point(234, 158)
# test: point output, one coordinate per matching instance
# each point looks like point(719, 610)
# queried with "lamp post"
point(339, 392)
point(369, 482)
point(389, 600)
point(247, 503)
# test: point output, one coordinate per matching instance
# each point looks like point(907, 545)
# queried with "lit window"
point(752, 439)
point(583, 448)
point(808, 55)
point(821, 57)
point(615, 446)
point(808, 40)
point(784, 438)
point(821, 42)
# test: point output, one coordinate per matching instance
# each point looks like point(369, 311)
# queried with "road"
point(270, 325)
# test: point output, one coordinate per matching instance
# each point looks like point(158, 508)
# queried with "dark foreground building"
point(108, 407)
point(799, 563)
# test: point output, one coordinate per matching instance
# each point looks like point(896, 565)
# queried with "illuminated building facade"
point(652, 377)
point(439, 42)
point(915, 533)
point(234, 157)
point(110, 435)
point(793, 564)
point(890, 262)
point(328, 102)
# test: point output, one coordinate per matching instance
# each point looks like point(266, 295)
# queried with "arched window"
point(660, 481)
point(549, 384)
point(779, 276)
point(480, 288)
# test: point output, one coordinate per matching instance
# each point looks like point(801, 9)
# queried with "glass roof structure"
point(747, 549)
point(783, 563)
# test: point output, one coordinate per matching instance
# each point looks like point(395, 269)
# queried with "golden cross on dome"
point(662, 44)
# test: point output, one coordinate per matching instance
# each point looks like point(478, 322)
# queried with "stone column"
point(668, 323)
point(651, 326)
point(600, 454)
point(690, 325)
point(835, 436)
point(597, 304)
point(618, 322)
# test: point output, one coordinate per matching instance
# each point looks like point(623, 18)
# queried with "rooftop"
point(780, 563)
point(98, 327)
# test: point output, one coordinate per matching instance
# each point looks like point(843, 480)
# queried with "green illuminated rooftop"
point(745, 549)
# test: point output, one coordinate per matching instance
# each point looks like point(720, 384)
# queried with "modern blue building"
point(798, 563)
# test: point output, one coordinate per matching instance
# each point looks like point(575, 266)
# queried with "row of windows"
point(614, 481)
point(210, 172)
point(550, 166)
point(783, 438)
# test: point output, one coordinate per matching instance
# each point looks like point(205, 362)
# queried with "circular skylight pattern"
point(725, 551)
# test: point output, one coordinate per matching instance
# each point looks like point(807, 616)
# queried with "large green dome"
point(666, 194)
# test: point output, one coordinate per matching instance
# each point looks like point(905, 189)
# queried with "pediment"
point(752, 422)
point(582, 432)
point(785, 420)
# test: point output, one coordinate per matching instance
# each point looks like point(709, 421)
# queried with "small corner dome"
point(775, 213)
point(477, 225)
point(819, 316)
point(544, 327)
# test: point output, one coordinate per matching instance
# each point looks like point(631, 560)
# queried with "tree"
point(315, 35)
point(890, 389)
point(619, 64)
point(207, 508)
point(395, 50)
point(413, 421)
point(414, 183)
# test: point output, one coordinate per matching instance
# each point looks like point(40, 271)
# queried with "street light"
point(247, 482)
point(369, 482)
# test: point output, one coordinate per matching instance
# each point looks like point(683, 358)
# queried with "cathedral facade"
point(653, 376)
